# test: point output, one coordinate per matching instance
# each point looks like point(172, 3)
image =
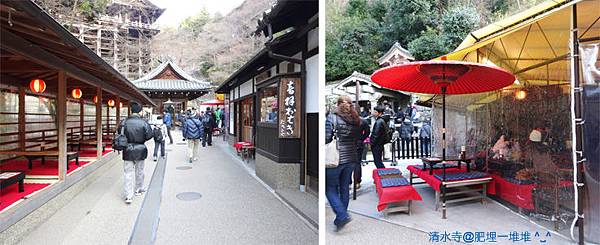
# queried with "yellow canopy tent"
point(533, 44)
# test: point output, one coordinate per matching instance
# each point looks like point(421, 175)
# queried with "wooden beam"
point(18, 45)
point(61, 117)
point(22, 118)
point(99, 123)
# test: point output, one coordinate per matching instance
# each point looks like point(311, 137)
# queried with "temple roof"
point(170, 77)
point(396, 49)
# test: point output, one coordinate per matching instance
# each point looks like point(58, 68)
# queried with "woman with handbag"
point(342, 129)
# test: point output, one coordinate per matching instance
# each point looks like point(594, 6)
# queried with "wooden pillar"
point(81, 118)
point(107, 120)
point(99, 123)
point(118, 112)
point(61, 118)
point(22, 118)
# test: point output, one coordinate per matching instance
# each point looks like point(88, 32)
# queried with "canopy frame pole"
point(576, 113)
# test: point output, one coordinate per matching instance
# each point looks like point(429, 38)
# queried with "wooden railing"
point(409, 148)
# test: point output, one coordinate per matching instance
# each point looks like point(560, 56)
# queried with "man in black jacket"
point(209, 122)
point(360, 146)
point(377, 136)
point(137, 131)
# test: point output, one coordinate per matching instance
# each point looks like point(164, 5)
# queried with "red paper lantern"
point(76, 93)
point(37, 85)
point(96, 99)
point(111, 103)
point(120, 104)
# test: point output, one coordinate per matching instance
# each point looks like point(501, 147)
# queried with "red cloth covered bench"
point(392, 195)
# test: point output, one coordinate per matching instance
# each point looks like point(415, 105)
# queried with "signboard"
point(289, 108)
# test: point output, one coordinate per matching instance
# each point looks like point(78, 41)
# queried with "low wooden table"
point(8, 178)
point(31, 155)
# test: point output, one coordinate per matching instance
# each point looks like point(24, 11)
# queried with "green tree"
point(429, 45)
point(352, 48)
point(92, 9)
point(406, 19)
point(195, 24)
point(458, 22)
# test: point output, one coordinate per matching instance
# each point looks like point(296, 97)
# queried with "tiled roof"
point(147, 82)
point(170, 85)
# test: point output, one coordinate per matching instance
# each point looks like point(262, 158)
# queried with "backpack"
point(119, 142)
point(158, 137)
point(206, 120)
point(387, 133)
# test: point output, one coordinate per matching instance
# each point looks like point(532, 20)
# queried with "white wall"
point(246, 88)
point(312, 84)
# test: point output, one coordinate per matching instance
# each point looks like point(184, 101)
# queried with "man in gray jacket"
point(137, 131)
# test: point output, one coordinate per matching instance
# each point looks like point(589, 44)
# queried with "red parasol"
point(212, 102)
point(443, 77)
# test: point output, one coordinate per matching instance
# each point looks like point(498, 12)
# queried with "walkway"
point(233, 208)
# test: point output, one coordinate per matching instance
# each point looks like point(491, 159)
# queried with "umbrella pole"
point(443, 123)
point(443, 189)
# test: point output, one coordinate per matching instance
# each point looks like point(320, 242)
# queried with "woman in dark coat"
point(346, 122)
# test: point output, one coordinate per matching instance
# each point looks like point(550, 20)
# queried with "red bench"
point(391, 199)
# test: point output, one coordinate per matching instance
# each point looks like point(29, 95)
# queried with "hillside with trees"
point(213, 47)
point(360, 31)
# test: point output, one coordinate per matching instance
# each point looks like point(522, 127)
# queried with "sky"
point(177, 10)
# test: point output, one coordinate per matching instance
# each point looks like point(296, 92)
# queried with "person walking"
point(208, 121)
point(159, 132)
point(346, 122)
point(137, 131)
point(218, 117)
point(168, 121)
point(378, 135)
point(406, 130)
point(193, 132)
point(365, 131)
point(425, 136)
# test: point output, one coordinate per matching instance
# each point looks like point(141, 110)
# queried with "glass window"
point(268, 104)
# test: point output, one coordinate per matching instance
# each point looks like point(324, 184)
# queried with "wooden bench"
point(31, 155)
point(8, 178)
point(88, 142)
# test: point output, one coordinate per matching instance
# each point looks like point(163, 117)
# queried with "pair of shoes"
point(140, 192)
point(190, 160)
point(357, 185)
point(164, 157)
point(128, 200)
point(340, 226)
point(155, 159)
point(196, 159)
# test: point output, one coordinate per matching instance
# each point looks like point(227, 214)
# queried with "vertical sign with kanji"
point(289, 108)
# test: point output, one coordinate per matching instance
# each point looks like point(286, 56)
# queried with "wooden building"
point(169, 82)
point(52, 92)
point(272, 100)
point(120, 35)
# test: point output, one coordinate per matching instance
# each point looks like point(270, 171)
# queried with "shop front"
point(272, 100)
